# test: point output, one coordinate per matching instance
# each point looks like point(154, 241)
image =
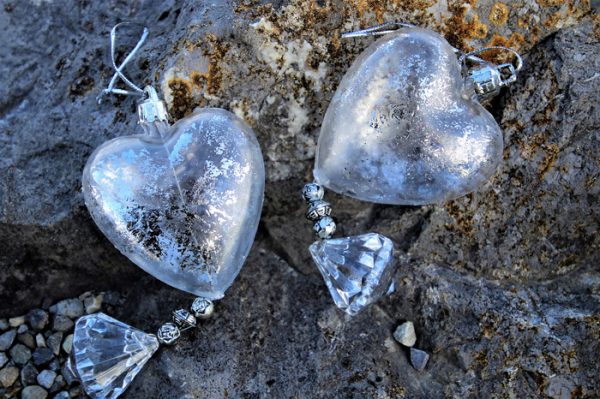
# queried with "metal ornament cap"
point(404, 127)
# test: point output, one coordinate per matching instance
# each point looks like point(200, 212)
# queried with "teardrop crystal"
point(108, 354)
point(357, 270)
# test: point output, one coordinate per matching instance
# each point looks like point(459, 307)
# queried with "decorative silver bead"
point(324, 227)
point(318, 209)
point(184, 319)
point(312, 192)
point(489, 79)
point(202, 308)
point(168, 333)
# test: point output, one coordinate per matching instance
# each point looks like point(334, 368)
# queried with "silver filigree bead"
point(312, 192)
point(202, 308)
point(168, 333)
point(184, 319)
point(318, 209)
point(325, 227)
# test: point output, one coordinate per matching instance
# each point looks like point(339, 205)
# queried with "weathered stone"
point(46, 378)
point(16, 322)
point(40, 341)
point(405, 334)
point(54, 341)
point(59, 383)
point(92, 303)
point(62, 395)
point(72, 308)
point(3, 359)
point(29, 375)
point(20, 354)
point(22, 328)
point(418, 359)
point(62, 323)
point(68, 343)
point(38, 319)
point(34, 392)
point(7, 339)
point(8, 376)
point(27, 339)
point(4, 325)
point(42, 356)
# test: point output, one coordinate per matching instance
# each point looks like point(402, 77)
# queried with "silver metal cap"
point(152, 109)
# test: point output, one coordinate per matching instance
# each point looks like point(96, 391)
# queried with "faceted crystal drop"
point(108, 354)
point(357, 270)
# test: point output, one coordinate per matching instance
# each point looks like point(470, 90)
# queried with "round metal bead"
point(324, 227)
point(318, 209)
point(168, 333)
point(202, 308)
point(184, 319)
point(312, 192)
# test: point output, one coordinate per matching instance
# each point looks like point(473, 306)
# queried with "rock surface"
point(502, 284)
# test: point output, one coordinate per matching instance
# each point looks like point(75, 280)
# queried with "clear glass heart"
point(404, 128)
point(182, 202)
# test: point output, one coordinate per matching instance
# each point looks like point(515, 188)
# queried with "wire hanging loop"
point(137, 91)
point(471, 56)
point(378, 30)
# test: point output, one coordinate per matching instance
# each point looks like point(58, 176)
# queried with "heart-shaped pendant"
point(182, 202)
point(404, 127)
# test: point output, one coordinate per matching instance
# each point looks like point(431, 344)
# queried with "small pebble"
point(54, 365)
point(67, 373)
point(22, 328)
point(29, 375)
point(20, 354)
point(38, 319)
point(3, 359)
point(40, 341)
point(59, 383)
point(62, 323)
point(75, 391)
point(62, 395)
point(405, 334)
point(8, 376)
point(72, 308)
point(93, 303)
point(16, 321)
point(7, 339)
point(27, 339)
point(418, 358)
point(68, 343)
point(53, 342)
point(34, 392)
point(4, 325)
point(46, 378)
point(42, 356)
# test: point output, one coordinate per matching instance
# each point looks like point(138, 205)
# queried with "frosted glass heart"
point(182, 202)
point(404, 127)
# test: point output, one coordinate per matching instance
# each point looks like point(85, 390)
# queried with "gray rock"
point(40, 340)
point(38, 319)
point(29, 374)
point(68, 343)
point(59, 383)
point(54, 365)
point(92, 303)
point(27, 339)
point(3, 359)
point(65, 371)
point(405, 334)
point(34, 392)
point(42, 356)
point(22, 329)
point(72, 308)
point(54, 341)
point(8, 376)
point(20, 354)
point(62, 395)
point(4, 325)
point(418, 359)
point(16, 322)
point(46, 378)
point(7, 339)
point(62, 323)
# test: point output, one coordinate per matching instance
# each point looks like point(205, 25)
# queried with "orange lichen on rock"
point(183, 102)
point(499, 14)
point(480, 30)
point(549, 3)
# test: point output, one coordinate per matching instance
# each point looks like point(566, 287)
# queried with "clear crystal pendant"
point(108, 354)
point(357, 270)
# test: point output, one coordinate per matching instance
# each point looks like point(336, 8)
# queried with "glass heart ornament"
point(405, 125)
point(181, 201)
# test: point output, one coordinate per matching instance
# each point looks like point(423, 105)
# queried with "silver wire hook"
point(383, 29)
point(119, 69)
point(471, 56)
